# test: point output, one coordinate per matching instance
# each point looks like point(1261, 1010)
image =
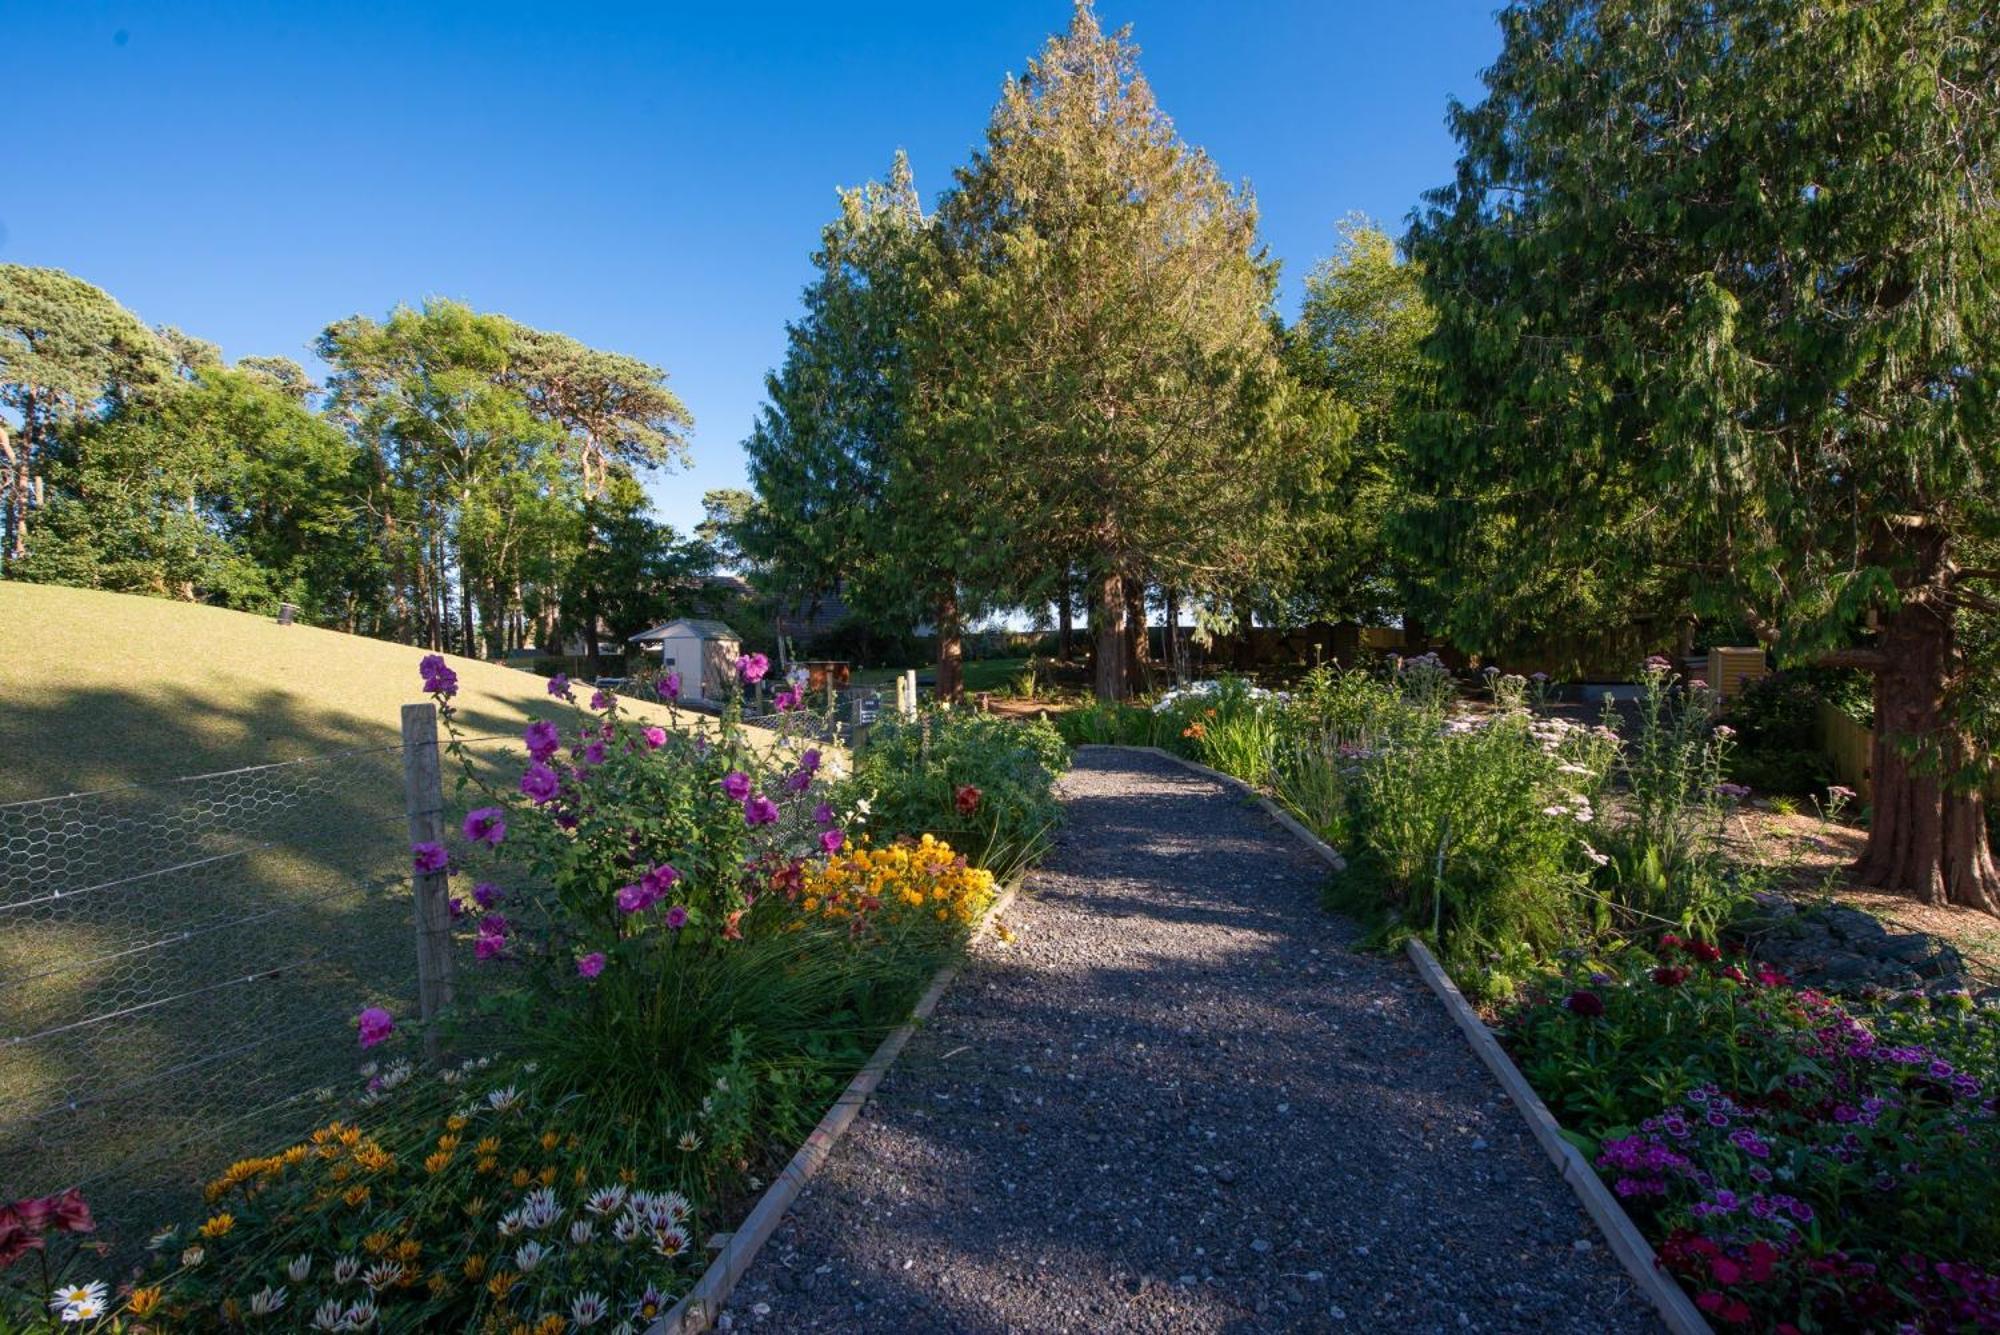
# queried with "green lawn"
point(103, 689)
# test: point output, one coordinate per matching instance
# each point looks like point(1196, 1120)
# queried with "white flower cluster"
point(1199, 691)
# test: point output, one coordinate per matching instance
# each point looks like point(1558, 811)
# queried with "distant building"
point(807, 618)
point(704, 653)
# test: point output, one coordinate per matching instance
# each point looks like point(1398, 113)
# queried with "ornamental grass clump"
point(1798, 1164)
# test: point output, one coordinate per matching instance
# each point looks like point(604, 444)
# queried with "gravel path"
point(1179, 1102)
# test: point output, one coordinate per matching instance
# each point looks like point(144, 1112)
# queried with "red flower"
point(1584, 1003)
point(1770, 977)
point(17, 1238)
point(1670, 975)
point(1725, 1270)
point(1734, 974)
point(1703, 951)
point(1668, 941)
point(72, 1212)
point(966, 799)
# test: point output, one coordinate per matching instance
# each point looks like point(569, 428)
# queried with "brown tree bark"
point(1139, 648)
point(1108, 630)
point(1170, 648)
point(951, 650)
point(1065, 626)
point(1926, 839)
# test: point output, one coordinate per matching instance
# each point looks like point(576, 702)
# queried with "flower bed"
point(1798, 1165)
point(682, 946)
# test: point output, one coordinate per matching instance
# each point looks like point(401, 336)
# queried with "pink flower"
point(428, 857)
point(759, 810)
point(831, 840)
point(632, 898)
point(736, 785)
point(591, 965)
point(542, 739)
point(539, 783)
point(752, 667)
point(375, 1025)
point(786, 701)
point(731, 930)
point(677, 917)
point(602, 700)
point(487, 825)
point(655, 738)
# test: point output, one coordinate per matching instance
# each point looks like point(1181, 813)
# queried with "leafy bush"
point(983, 783)
point(1793, 1161)
point(1776, 721)
point(1098, 724)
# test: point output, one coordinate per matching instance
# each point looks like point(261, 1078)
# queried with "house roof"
point(698, 627)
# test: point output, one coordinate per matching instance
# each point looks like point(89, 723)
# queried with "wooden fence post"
point(908, 697)
point(423, 801)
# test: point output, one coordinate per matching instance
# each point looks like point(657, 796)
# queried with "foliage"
point(984, 784)
point(472, 1201)
point(1777, 747)
point(1680, 283)
point(1794, 1162)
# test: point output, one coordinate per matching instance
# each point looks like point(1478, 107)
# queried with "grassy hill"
point(103, 689)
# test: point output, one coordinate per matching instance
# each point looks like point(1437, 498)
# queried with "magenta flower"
point(831, 840)
point(759, 810)
point(786, 701)
point(661, 879)
point(542, 739)
point(375, 1025)
point(559, 687)
point(601, 700)
point(594, 754)
point(439, 679)
point(736, 785)
point(810, 761)
point(539, 782)
point(670, 686)
point(823, 814)
point(591, 965)
point(632, 898)
point(486, 825)
point(677, 917)
point(798, 781)
point(655, 738)
point(752, 667)
point(486, 894)
point(429, 857)
point(486, 947)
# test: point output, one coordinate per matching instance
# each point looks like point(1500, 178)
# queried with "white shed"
point(703, 652)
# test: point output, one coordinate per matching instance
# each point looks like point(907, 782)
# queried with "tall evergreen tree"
point(1099, 356)
point(1716, 289)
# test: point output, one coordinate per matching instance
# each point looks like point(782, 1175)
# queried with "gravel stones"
point(1178, 1101)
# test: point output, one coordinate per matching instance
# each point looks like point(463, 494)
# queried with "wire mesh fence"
point(180, 964)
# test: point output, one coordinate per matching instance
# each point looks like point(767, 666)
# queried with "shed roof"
point(698, 627)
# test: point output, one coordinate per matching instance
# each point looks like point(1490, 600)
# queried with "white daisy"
point(329, 1315)
point(529, 1255)
point(69, 1295)
point(345, 1268)
point(587, 1309)
point(88, 1310)
point(266, 1301)
point(605, 1200)
point(670, 1241)
point(581, 1232)
point(381, 1275)
point(503, 1099)
point(360, 1316)
point(301, 1266)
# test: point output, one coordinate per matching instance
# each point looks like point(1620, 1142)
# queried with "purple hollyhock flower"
point(486, 825)
point(823, 814)
point(736, 785)
point(602, 699)
point(559, 687)
point(429, 857)
point(798, 781)
point(810, 761)
point(539, 783)
point(591, 965)
point(752, 667)
point(655, 738)
point(786, 701)
point(759, 810)
point(831, 840)
point(632, 898)
point(677, 917)
point(594, 754)
point(661, 878)
point(486, 894)
point(542, 739)
point(375, 1025)
point(439, 679)
point(670, 686)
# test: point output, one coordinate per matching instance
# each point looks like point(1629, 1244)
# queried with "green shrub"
point(982, 783)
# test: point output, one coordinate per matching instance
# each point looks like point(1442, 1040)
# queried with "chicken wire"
point(180, 964)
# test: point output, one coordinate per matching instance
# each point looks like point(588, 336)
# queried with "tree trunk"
point(22, 482)
point(1065, 626)
point(950, 648)
point(1170, 649)
point(1925, 839)
point(1108, 630)
point(1416, 635)
point(1138, 637)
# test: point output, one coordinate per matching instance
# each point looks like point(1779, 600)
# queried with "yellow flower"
point(550, 1140)
point(522, 1177)
point(232, 1311)
point(409, 1250)
point(487, 1145)
point(375, 1244)
point(437, 1163)
point(547, 1175)
point(144, 1302)
point(447, 1143)
point(487, 1163)
point(475, 1267)
point(502, 1281)
point(455, 1122)
point(356, 1197)
point(218, 1225)
point(552, 1324)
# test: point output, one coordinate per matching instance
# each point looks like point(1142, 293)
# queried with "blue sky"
point(649, 178)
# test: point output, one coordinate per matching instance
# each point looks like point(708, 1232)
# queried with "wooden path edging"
point(1627, 1243)
point(704, 1302)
